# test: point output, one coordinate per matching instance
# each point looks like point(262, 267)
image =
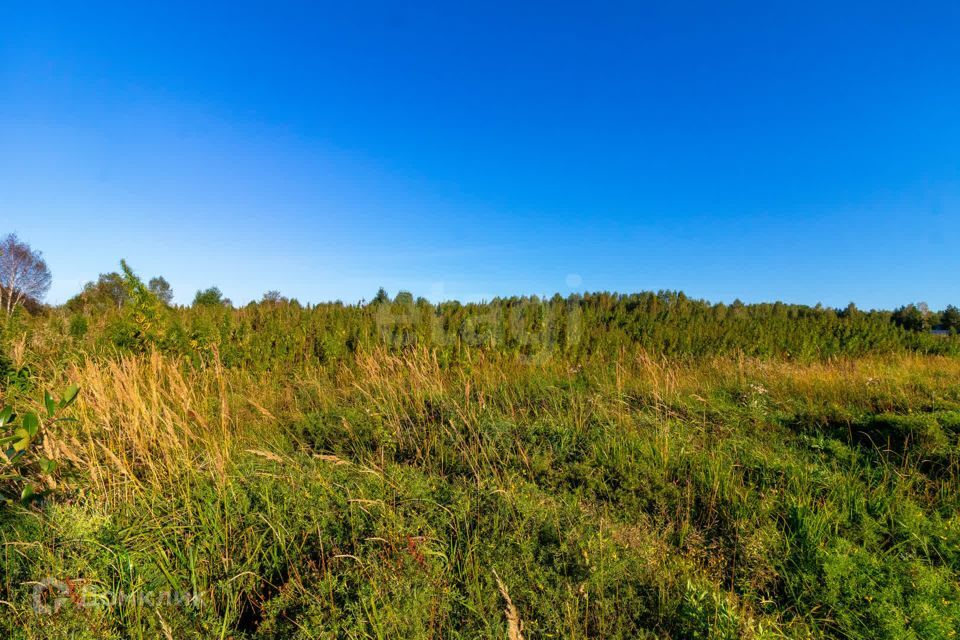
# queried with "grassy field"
point(400, 493)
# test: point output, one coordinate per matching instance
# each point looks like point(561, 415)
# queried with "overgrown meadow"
point(592, 467)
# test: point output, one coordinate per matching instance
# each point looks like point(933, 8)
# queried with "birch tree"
point(23, 273)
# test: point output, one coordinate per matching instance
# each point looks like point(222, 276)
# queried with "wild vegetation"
point(598, 466)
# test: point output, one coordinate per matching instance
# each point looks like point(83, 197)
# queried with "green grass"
point(380, 496)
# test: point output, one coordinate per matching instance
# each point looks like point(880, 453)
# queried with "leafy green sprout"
point(17, 457)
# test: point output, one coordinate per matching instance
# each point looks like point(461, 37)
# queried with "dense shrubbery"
point(279, 333)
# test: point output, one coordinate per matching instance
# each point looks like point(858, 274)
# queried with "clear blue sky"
point(802, 151)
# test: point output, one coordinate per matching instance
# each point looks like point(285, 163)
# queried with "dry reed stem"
point(514, 624)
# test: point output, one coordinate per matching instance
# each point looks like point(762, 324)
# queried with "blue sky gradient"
point(807, 152)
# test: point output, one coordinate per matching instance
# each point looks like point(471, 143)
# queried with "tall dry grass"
point(151, 419)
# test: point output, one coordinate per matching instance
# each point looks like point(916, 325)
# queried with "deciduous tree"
point(272, 297)
point(24, 274)
point(211, 297)
point(161, 288)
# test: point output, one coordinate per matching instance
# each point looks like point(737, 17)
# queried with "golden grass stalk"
point(149, 420)
point(514, 624)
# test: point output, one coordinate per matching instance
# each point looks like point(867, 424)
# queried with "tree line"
point(119, 310)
